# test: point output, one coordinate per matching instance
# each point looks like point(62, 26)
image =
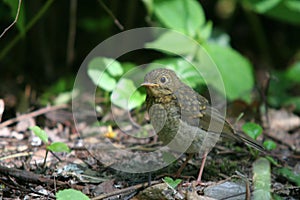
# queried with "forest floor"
point(29, 171)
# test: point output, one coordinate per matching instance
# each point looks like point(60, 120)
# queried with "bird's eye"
point(163, 79)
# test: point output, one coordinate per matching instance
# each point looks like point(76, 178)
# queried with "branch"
point(32, 114)
point(15, 21)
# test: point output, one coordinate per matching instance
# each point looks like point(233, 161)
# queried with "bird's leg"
point(178, 173)
point(201, 168)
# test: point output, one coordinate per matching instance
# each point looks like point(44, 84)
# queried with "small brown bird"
point(183, 119)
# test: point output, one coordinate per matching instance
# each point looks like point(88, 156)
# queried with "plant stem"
point(28, 27)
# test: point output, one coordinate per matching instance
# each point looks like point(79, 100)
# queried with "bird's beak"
point(149, 84)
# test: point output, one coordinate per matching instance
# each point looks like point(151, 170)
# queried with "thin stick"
point(119, 25)
point(264, 95)
point(32, 114)
point(2, 106)
point(44, 164)
point(132, 188)
point(16, 155)
point(32, 22)
point(15, 21)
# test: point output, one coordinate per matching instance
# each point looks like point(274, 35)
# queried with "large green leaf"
point(40, 133)
point(284, 10)
point(70, 194)
point(205, 32)
point(293, 73)
point(236, 71)
point(109, 64)
point(102, 79)
point(102, 72)
point(172, 42)
point(282, 88)
point(59, 147)
point(186, 16)
point(287, 11)
point(126, 95)
point(263, 6)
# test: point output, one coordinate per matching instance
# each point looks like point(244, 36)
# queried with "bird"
point(184, 120)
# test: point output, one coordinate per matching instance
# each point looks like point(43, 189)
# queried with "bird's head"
point(161, 82)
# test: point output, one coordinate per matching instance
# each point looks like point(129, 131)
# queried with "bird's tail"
point(249, 141)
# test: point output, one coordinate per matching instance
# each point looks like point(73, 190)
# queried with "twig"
point(129, 189)
point(32, 114)
point(30, 177)
point(2, 106)
point(119, 25)
point(16, 155)
point(15, 21)
point(32, 22)
point(264, 95)
point(45, 159)
point(25, 175)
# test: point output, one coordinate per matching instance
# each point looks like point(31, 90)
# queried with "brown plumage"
point(183, 119)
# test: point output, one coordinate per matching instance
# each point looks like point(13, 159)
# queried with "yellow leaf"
point(110, 133)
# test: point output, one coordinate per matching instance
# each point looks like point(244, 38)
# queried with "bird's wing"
point(187, 101)
point(213, 121)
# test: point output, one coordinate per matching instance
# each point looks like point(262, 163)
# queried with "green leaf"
point(253, 130)
point(261, 179)
point(172, 42)
point(149, 6)
point(293, 5)
point(63, 98)
point(113, 67)
point(136, 100)
point(102, 72)
point(71, 194)
point(127, 66)
point(171, 182)
point(293, 73)
point(126, 95)
point(272, 161)
point(290, 175)
point(185, 16)
point(102, 79)
point(263, 6)
point(236, 71)
point(285, 81)
point(221, 38)
point(58, 147)
point(205, 31)
point(40, 133)
point(269, 144)
point(284, 10)
point(61, 86)
point(295, 101)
